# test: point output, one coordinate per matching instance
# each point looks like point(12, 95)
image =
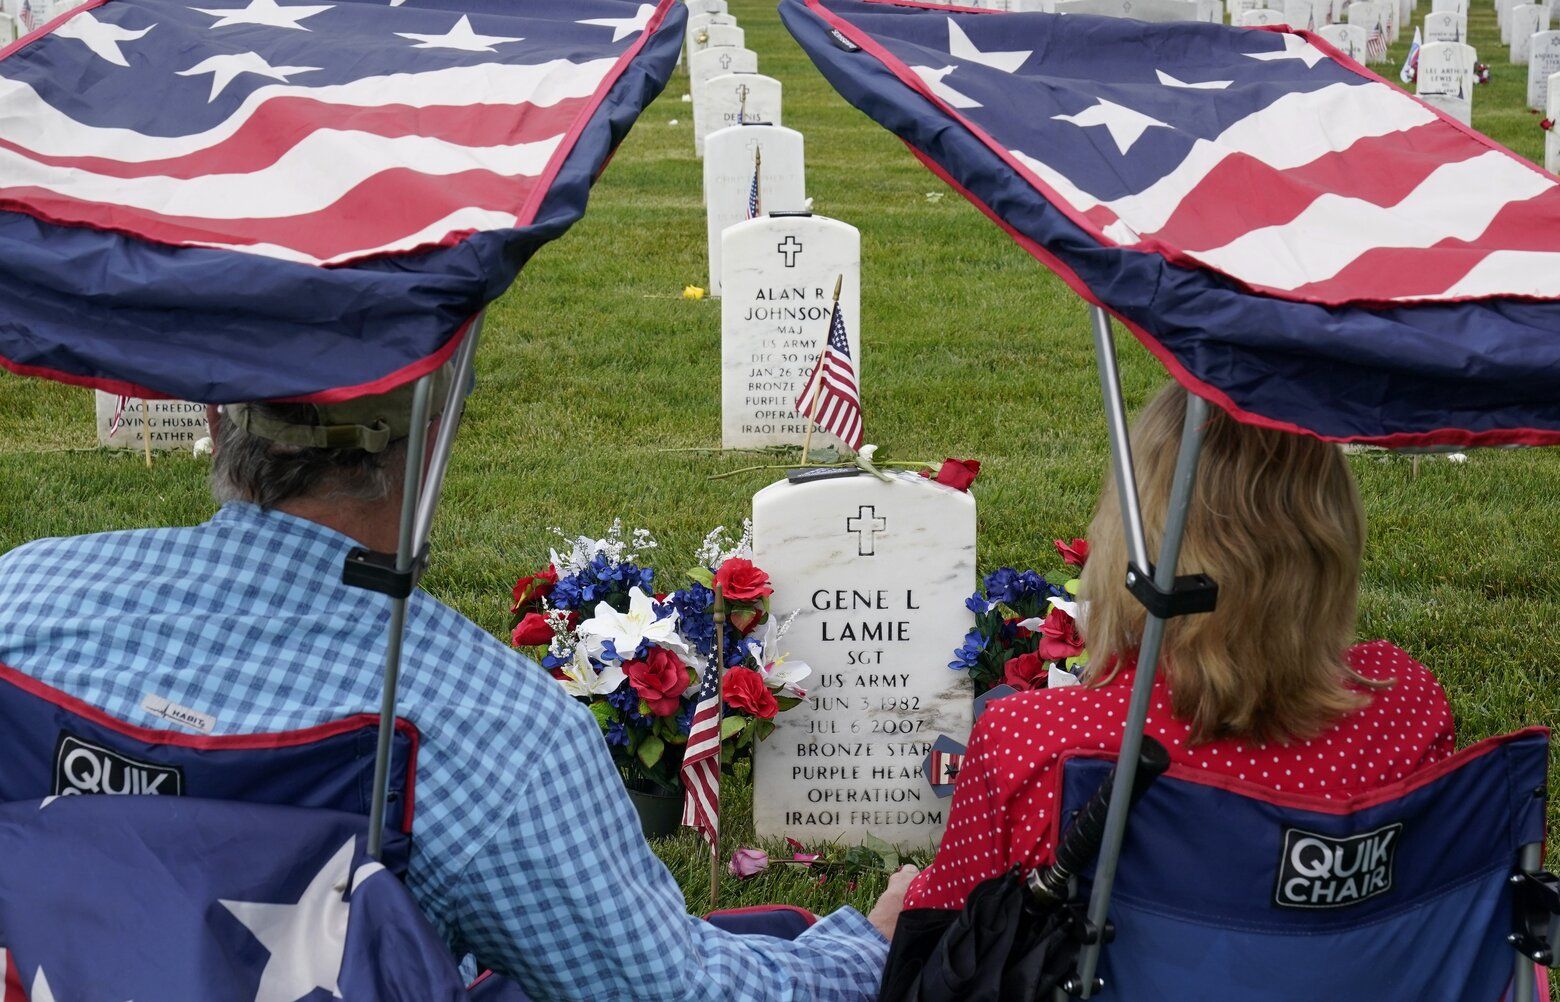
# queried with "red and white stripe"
point(322, 175)
point(839, 411)
point(701, 762)
point(1412, 208)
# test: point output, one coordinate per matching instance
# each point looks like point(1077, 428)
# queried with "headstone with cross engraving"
point(1552, 136)
point(714, 36)
point(879, 573)
point(1346, 38)
point(732, 99)
point(122, 423)
point(777, 286)
point(1159, 11)
point(749, 170)
point(1446, 26)
point(1260, 18)
point(709, 63)
point(1445, 78)
point(1543, 62)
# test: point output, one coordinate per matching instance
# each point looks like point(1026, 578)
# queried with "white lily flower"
point(867, 452)
point(627, 630)
point(778, 670)
point(582, 679)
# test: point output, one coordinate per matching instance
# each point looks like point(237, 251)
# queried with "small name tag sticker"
point(1328, 871)
point(842, 41)
point(810, 474)
point(80, 766)
point(181, 715)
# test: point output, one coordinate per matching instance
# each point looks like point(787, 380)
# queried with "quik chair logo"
point(83, 767)
point(1328, 871)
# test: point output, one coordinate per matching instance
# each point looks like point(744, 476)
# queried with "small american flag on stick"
point(754, 204)
point(831, 399)
point(701, 756)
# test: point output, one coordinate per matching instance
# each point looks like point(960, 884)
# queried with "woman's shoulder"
point(1384, 661)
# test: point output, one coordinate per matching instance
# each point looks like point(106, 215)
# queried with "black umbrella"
point(1018, 935)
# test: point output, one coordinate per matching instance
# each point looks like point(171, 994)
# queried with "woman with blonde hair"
point(1265, 690)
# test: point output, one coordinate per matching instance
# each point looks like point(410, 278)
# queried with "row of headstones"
point(772, 263)
point(19, 17)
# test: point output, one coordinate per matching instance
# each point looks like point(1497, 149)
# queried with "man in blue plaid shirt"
point(529, 854)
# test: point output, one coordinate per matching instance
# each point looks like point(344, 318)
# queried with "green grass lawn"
point(594, 368)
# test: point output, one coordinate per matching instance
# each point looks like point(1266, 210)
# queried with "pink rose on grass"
point(746, 863)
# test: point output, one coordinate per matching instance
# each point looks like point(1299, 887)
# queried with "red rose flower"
point(744, 689)
point(1059, 637)
point(956, 473)
point(1074, 553)
point(532, 631)
point(659, 679)
point(532, 589)
point(1026, 671)
point(740, 581)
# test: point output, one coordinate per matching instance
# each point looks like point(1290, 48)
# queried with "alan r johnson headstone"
point(879, 573)
point(777, 288)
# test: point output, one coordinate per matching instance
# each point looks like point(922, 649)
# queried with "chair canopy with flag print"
point(1297, 240)
point(272, 199)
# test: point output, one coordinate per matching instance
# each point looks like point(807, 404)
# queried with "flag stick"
point(758, 181)
point(823, 371)
point(720, 672)
point(146, 431)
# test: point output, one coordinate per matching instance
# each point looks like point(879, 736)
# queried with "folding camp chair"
point(1122, 156)
point(1226, 891)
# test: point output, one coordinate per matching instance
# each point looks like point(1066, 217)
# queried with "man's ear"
point(213, 424)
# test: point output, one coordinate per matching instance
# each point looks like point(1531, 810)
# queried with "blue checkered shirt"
point(529, 853)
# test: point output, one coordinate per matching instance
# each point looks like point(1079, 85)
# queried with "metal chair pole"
point(1154, 627)
point(449, 425)
point(1524, 981)
point(406, 552)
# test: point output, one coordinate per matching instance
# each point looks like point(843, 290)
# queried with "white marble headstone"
point(1445, 78)
point(698, 23)
point(732, 99)
point(777, 287)
point(173, 424)
point(880, 572)
point(1346, 38)
point(1449, 7)
point(709, 63)
point(713, 37)
point(1526, 20)
point(1543, 62)
point(1261, 18)
point(1552, 137)
point(1239, 8)
point(1298, 13)
point(8, 32)
point(1503, 18)
point(706, 7)
point(1446, 26)
point(732, 157)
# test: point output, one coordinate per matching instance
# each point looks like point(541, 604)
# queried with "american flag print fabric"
point(1251, 153)
point(701, 759)
point(222, 200)
point(315, 132)
point(831, 397)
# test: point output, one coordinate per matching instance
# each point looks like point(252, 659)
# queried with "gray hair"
point(249, 468)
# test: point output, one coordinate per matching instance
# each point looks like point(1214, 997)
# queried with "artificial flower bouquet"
point(638, 657)
point(1025, 625)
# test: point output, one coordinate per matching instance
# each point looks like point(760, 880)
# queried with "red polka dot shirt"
point(1009, 781)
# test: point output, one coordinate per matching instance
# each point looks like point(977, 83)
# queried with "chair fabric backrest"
point(1226, 891)
point(52, 744)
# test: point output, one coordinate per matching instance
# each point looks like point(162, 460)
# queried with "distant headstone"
point(1543, 63)
point(777, 286)
point(1552, 137)
point(1446, 26)
point(1445, 78)
point(1527, 19)
point(698, 25)
point(1261, 18)
point(708, 63)
point(1210, 11)
point(1449, 7)
point(713, 37)
point(1239, 8)
point(172, 424)
point(1346, 38)
point(1370, 15)
point(8, 32)
point(1503, 18)
point(732, 99)
point(706, 7)
point(1299, 13)
point(733, 157)
point(879, 572)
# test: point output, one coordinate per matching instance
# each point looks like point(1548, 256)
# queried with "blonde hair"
point(1276, 520)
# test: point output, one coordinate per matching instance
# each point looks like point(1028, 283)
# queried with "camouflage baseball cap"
point(369, 423)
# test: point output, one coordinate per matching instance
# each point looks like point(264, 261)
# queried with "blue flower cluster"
point(969, 653)
point(626, 700)
point(601, 581)
point(698, 627)
point(1005, 585)
point(617, 734)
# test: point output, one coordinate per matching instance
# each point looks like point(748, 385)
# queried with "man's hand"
point(885, 914)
